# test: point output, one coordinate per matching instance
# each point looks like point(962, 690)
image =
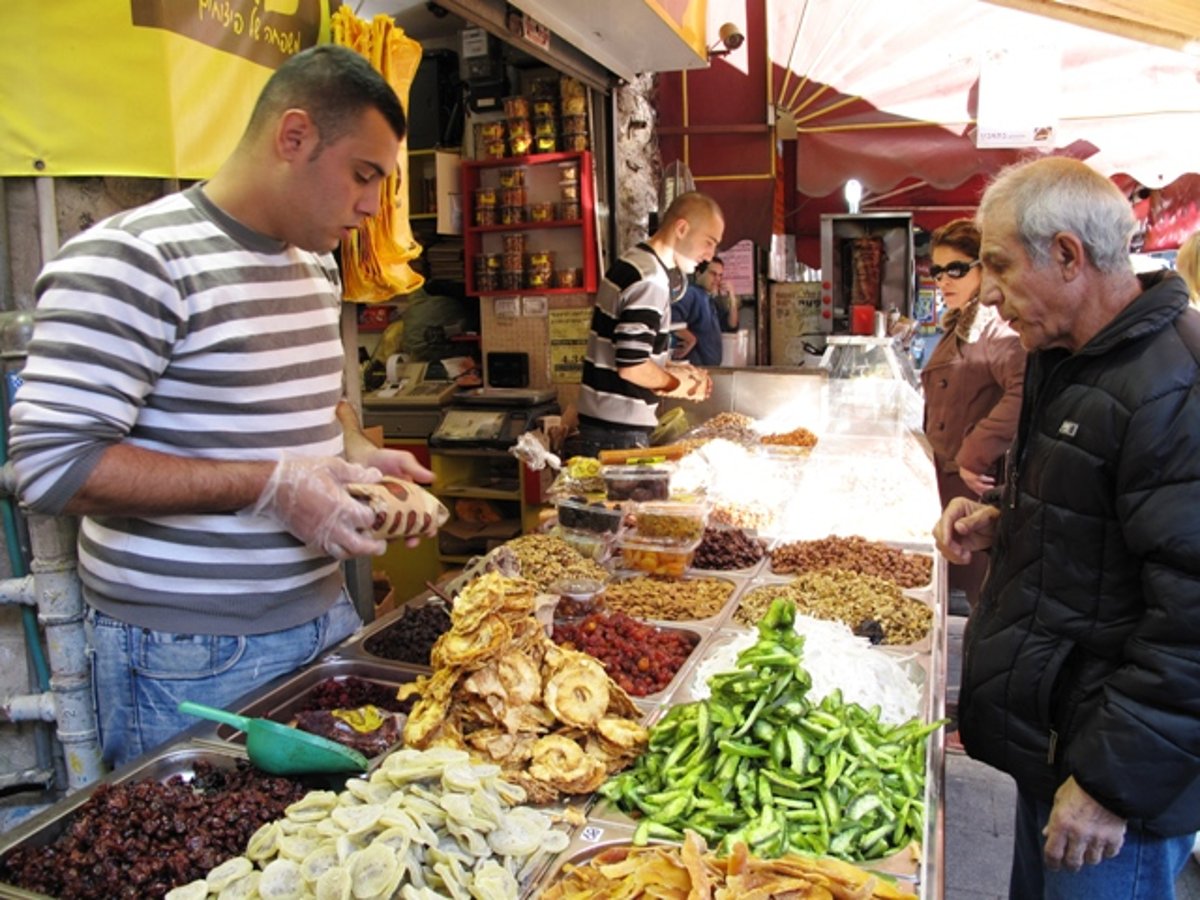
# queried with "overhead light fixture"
point(853, 193)
point(730, 37)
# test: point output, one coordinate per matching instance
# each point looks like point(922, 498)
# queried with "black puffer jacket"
point(1084, 656)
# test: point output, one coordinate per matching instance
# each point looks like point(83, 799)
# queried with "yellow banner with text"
point(154, 88)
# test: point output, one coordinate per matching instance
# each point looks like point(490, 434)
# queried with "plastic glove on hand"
point(310, 498)
point(693, 384)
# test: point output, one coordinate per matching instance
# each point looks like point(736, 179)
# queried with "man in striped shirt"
point(183, 395)
point(627, 367)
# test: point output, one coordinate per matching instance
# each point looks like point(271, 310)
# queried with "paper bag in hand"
point(402, 509)
point(694, 384)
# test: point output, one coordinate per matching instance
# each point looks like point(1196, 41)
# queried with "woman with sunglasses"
point(972, 384)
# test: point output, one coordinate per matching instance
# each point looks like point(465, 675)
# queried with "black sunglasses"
point(955, 270)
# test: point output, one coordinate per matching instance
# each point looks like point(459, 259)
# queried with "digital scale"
point(492, 417)
point(409, 405)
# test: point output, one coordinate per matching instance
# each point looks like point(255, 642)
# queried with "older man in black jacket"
point(1081, 673)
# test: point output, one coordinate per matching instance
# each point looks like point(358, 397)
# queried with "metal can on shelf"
point(512, 176)
point(574, 142)
point(567, 278)
point(541, 212)
point(570, 210)
point(512, 196)
point(513, 242)
point(512, 281)
point(568, 190)
point(569, 170)
point(516, 107)
point(512, 215)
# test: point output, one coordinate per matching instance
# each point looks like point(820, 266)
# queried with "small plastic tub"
point(569, 190)
point(584, 516)
point(674, 521)
point(578, 597)
point(657, 556)
point(587, 544)
point(638, 483)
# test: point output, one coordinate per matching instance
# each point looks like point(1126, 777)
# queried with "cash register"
point(410, 401)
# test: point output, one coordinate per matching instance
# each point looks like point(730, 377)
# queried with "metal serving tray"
point(597, 837)
point(355, 646)
point(281, 701)
point(175, 759)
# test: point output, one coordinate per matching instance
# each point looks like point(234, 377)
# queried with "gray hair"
point(1057, 194)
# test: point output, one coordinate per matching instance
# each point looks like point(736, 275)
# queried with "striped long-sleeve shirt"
point(174, 328)
point(630, 325)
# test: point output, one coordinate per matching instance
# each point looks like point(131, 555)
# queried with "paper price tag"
point(592, 834)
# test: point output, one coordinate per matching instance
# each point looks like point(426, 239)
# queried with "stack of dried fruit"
point(355, 712)
point(141, 838)
point(870, 606)
point(431, 822)
point(410, 638)
point(551, 717)
point(687, 871)
point(638, 656)
point(758, 762)
point(854, 554)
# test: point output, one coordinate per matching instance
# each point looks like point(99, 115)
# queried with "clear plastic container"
point(657, 556)
point(587, 544)
point(583, 516)
point(638, 483)
point(675, 521)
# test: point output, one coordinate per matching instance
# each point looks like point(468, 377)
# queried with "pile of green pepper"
point(758, 762)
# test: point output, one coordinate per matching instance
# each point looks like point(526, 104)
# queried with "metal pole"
point(60, 605)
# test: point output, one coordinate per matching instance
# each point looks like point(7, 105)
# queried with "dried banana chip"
point(281, 880)
point(493, 882)
point(357, 819)
point(312, 806)
point(372, 869)
point(193, 890)
point(322, 858)
point(472, 841)
point(453, 880)
point(555, 841)
point(230, 870)
point(334, 884)
point(458, 808)
point(264, 843)
point(296, 847)
point(370, 792)
point(245, 888)
point(398, 839)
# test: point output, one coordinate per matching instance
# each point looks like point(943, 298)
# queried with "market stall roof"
point(882, 97)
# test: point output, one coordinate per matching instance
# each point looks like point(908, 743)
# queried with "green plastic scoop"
point(280, 749)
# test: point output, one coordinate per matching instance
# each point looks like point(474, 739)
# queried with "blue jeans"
point(1145, 869)
point(139, 676)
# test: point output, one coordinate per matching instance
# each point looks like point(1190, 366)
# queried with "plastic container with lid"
point(672, 520)
point(657, 556)
point(584, 516)
point(587, 544)
point(636, 482)
point(578, 597)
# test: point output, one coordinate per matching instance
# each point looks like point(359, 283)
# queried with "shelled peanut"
point(672, 600)
point(854, 554)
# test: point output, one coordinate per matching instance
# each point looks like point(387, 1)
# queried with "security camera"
point(731, 36)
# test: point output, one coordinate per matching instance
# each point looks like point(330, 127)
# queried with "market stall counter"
point(848, 760)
